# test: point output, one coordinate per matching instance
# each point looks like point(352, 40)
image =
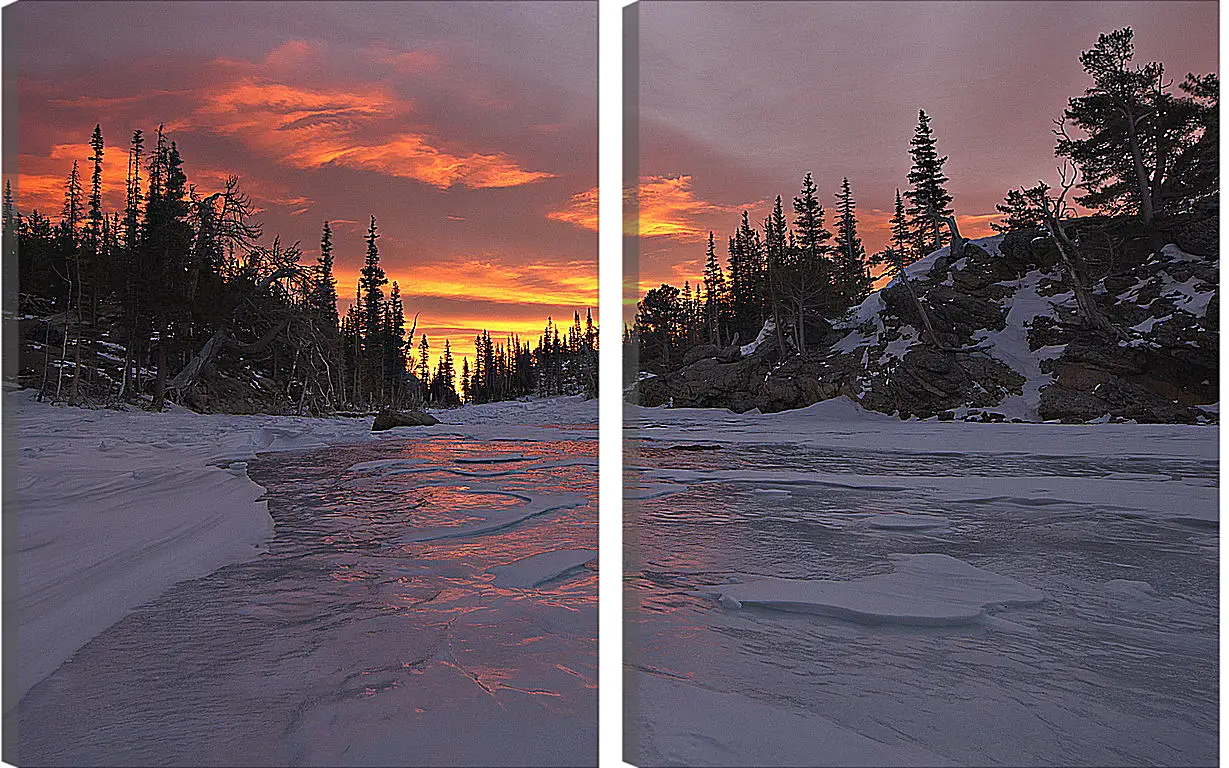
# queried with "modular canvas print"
point(300, 380)
point(922, 384)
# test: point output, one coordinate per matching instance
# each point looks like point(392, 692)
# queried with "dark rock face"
point(388, 419)
point(700, 352)
point(1008, 299)
point(706, 384)
point(929, 381)
point(1199, 236)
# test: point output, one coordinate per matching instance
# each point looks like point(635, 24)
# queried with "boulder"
point(1200, 237)
point(700, 352)
point(388, 419)
point(730, 354)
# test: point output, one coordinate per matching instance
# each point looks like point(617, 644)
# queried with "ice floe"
point(536, 570)
point(923, 590)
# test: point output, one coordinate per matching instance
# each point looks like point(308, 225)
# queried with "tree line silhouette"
point(176, 298)
point(1145, 152)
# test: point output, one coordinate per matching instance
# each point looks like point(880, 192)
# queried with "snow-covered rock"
point(1011, 342)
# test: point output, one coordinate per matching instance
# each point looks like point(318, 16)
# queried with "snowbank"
point(841, 423)
point(114, 507)
point(681, 724)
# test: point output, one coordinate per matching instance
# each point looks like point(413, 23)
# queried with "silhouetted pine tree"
point(1018, 213)
point(371, 284)
point(72, 203)
point(853, 279)
point(94, 216)
point(714, 294)
point(323, 299)
point(1141, 141)
point(928, 197)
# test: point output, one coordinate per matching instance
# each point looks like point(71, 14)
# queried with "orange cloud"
point(669, 208)
point(312, 127)
point(975, 225)
point(581, 210)
point(41, 179)
point(874, 227)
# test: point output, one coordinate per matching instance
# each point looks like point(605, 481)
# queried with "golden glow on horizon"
point(460, 331)
point(546, 284)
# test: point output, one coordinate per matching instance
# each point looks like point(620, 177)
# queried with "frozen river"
point(1064, 609)
point(424, 601)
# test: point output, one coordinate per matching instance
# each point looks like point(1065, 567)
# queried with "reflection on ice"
point(371, 632)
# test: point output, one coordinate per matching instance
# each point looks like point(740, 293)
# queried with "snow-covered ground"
point(830, 586)
point(114, 507)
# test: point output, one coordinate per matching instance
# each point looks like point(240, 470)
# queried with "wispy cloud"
point(581, 210)
point(669, 207)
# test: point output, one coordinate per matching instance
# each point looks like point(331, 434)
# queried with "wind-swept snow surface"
point(829, 580)
point(114, 507)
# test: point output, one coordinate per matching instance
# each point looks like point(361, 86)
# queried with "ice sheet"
point(924, 590)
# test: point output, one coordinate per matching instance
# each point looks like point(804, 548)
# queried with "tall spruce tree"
point(95, 215)
point(899, 227)
point(811, 236)
point(929, 199)
point(853, 279)
point(777, 256)
point(71, 218)
point(167, 239)
point(424, 360)
point(132, 197)
point(394, 341)
point(747, 277)
point(323, 298)
point(1138, 134)
point(371, 283)
point(714, 293)
point(811, 280)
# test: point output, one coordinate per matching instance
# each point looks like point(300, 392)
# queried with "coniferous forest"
point(180, 298)
point(1134, 150)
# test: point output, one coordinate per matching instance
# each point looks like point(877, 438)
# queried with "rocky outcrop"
point(1011, 344)
point(389, 419)
point(700, 352)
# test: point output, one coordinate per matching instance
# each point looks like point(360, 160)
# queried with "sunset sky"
point(468, 129)
point(738, 100)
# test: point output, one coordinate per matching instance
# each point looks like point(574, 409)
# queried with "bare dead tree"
point(263, 269)
point(1054, 210)
point(931, 337)
point(956, 250)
